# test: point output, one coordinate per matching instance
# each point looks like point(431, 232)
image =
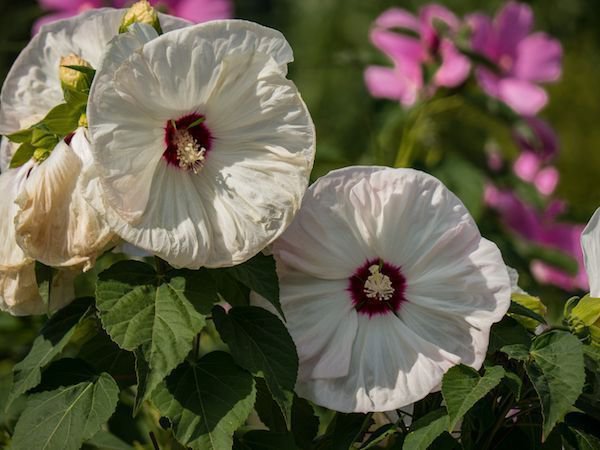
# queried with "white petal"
point(11, 183)
point(391, 367)
point(255, 174)
point(32, 86)
point(20, 296)
point(54, 224)
point(590, 242)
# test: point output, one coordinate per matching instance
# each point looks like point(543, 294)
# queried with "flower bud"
point(140, 12)
point(72, 78)
point(532, 303)
point(586, 316)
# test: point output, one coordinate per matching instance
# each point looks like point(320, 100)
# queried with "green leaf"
point(62, 119)
point(514, 383)
point(426, 430)
point(267, 440)
point(198, 286)
point(20, 136)
point(557, 373)
point(508, 332)
point(206, 401)
point(584, 441)
point(230, 289)
point(518, 309)
point(260, 343)
point(519, 352)
point(23, 154)
point(64, 418)
point(344, 430)
point(141, 310)
point(88, 71)
point(379, 435)
point(259, 275)
point(462, 387)
point(53, 338)
point(105, 440)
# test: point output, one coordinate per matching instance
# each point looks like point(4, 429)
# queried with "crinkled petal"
point(253, 179)
point(590, 242)
point(11, 183)
point(32, 86)
point(538, 58)
point(54, 224)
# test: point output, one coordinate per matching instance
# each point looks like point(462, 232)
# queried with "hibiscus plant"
point(201, 293)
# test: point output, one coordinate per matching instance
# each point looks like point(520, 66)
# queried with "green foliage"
point(426, 430)
point(557, 373)
point(462, 387)
point(53, 338)
point(206, 401)
point(259, 275)
point(261, 344)
point(64, 418)
point(146, 312)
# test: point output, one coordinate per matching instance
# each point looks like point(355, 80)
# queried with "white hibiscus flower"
point(590, 242)
point(202, 147)
point(386, 283)
point(45, 215)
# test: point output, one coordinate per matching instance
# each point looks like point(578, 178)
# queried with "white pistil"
point(189, 153)
point(378, 285)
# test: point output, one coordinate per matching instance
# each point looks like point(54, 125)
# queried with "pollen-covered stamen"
point(189, 152)
point(378, 286)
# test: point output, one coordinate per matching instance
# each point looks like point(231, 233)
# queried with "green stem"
point(505, 407)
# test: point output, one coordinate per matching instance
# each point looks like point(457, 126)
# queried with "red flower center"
point(377, 287)
point(188, 142)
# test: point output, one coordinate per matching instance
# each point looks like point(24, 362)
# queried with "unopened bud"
point(586, 315)
point(140, 12)
point(83, 121)
point(72, 78)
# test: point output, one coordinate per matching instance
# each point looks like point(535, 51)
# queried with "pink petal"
point(540, 138)
point(524, 97)
point(428, 15)
point(513, 23)
point(547, 180)
point(203, 10)
point(527, 166)
point(383, 82)
point(488, 81)
point(545, 273)
point(73, 6)
point(455, 66)
point(400, 48)
point(538, 58)
point(483, 37)
point(398, 18)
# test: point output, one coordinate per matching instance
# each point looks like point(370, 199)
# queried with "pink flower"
point(539, 145)
point(522, 59)
point(545, 230)
point(193, 10)
point(409, 52)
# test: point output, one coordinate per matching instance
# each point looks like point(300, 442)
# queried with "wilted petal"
point(54, 224)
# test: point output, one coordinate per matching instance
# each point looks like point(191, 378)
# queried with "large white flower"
point(386, 283)
point(32, 86)
point(202, 146)
point(590, 242)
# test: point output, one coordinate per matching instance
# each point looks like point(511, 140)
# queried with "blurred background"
point(330, 39)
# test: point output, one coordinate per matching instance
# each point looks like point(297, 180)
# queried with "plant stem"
point(154, 441)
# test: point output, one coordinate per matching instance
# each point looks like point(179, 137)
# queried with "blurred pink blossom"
point(193, 10)
point(421, 44)
point(542, 229)
point(523, 58)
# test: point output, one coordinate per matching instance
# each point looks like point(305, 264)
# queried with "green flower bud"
point(532, 303)
point(140, 12)
point(71, 78)
point(83, 121)
point(41, 154)
point(585, 316)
